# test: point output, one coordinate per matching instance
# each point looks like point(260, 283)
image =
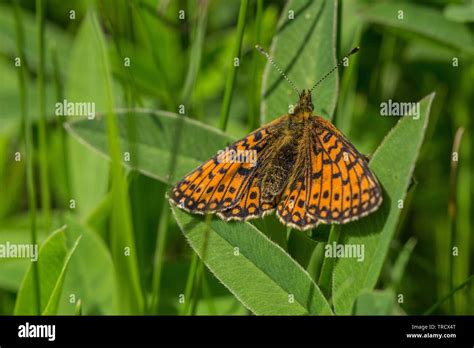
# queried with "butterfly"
point(303, 167)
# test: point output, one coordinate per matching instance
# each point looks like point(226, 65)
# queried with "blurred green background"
point(187, 61)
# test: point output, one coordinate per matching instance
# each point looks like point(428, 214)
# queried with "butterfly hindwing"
point(250, 205)
point(220, 184)
point(292, 208)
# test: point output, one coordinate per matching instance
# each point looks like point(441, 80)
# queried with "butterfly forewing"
point(342, 186)
point(224, 182)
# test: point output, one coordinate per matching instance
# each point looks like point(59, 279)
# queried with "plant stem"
point(30, 182)
point(200, 267)
point(325, 278)
point(43, 157)
point(189, 283)
point(254, 86)
point(159, 258)
point(430, 310)
point(197, 287)
point(196, 52)
point(453, 180)
point(163, 223)
point(78, 308)
point(61, 120)
point(208, 296)
point(230, 83)
point(129, 279)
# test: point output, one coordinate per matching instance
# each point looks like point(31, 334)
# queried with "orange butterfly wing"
point(342, 186)
point(250, 204)
point(292, 208)
point(331, 184)
point(218, 186)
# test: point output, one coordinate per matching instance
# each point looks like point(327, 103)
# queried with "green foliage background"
point(170, 95)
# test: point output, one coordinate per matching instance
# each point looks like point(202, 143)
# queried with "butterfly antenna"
point(354, 50)
point(262, 51)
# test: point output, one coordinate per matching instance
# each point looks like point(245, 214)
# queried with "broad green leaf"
point(84, 84)
point(90, 277)
point(375, 303)
point(258, 272)
point(419, 19)
point(53, 260)
point(17, 231)
point(53, 302)
point(393, 163)
point(305, 49)
point(460, 12)
point(154, 141)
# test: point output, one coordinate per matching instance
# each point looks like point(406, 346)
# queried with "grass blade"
point(42, 135)
point(461, 286)
point(230, 83)
point(123, 244)
point(30, 182)
point(393, 163)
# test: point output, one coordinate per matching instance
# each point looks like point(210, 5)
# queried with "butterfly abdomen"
point(278, 172)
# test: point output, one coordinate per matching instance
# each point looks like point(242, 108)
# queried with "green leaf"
point(305, 49)
point(460, 12)
point(154, 141)
point(84, 84)
point(53, 303)
point(90, 276)
point(375, 303)
point(17, 231)
point(400, 264)
point(262, 276)
point(419, 20)
point(393, 163)
point(301, 247)
point(53, 261)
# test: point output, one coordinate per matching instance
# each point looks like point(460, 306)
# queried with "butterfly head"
point(305, 103)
